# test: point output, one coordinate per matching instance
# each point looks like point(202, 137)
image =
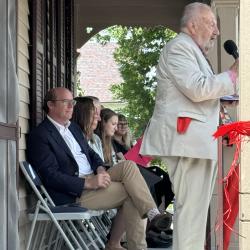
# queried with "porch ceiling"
point(100, 14)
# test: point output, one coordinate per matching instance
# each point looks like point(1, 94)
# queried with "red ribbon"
point(236, 132)
point(230, 204)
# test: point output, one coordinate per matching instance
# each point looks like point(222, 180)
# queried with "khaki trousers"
point(129, 191)
point(192, 182)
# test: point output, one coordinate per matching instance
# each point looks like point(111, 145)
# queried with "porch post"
point(244, 114)
point(227, 13)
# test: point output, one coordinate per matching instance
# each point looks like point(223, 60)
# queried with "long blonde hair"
point(107, 147)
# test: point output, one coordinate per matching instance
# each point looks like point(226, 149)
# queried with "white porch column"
point(244, 115)
point(227, 12)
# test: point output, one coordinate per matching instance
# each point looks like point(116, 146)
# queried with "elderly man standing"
point(185, 116)
point(71, 171)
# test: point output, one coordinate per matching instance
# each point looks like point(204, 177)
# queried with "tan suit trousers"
point(192, 182)
point(129, 192)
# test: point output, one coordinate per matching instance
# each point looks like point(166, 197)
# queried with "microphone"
point(231, 48)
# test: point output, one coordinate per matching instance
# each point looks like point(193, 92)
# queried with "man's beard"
point(209, 45)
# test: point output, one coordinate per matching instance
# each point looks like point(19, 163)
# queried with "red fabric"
point(183, 124)
point(230, 205)
point(236, 131)
point(134, 155)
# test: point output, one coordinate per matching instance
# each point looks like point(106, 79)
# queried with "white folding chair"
point(81, 237)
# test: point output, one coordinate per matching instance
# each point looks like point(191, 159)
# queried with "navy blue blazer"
point(50, 156)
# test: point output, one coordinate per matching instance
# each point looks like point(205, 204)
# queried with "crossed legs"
point(129, 191)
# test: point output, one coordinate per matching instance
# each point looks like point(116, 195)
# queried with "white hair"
point(192, 11)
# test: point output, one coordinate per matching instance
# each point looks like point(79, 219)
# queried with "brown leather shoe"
point(160, 222)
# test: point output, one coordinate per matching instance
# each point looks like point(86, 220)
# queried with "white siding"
point(24, 84)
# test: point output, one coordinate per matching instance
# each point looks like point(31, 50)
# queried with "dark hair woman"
point(86, 115)
point(122, 139)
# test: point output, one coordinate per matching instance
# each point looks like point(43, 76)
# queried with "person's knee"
point(117, 188)
point(131, 165)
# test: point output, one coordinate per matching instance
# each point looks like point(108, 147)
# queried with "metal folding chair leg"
point(58, 242)
point(106, 219)
point(44, 227)
point(36, 236)
point(33, 224)
point(53, 236)
point(102, 230)
point(78, 235)
point(71, 234)
point(91, 241)
point(63, 234)
point(99, 240)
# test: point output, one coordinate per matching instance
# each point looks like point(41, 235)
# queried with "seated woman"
point(105, 130)
point(122, 139)
point(115, 137)
point(87, 114)
point(161, 190)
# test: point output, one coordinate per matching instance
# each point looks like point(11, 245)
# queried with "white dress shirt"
point(81, 159)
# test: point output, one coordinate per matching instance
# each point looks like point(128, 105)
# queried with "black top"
point(119, 147)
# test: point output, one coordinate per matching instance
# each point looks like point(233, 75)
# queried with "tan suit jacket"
point(186, 87)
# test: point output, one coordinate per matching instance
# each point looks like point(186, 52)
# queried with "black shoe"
point(154, 240)
point(166, 236)
point(160, 222)
point(169, 231)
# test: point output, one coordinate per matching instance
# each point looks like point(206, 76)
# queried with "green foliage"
point(137, 55)
point(79, 90)
point(158, 162)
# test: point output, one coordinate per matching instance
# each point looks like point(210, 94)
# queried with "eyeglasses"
point(66, 102)
point(123, 124)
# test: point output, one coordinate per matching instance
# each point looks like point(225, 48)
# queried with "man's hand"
point(235, 67)
point(101, 169)
point(229, 104)
point(101, 180)
point(120, 156)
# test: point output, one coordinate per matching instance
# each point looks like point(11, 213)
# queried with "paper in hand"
point(229, 98)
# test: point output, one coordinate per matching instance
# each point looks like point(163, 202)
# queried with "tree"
point(79, 90)
point(137, 55)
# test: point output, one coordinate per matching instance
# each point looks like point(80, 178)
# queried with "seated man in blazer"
point(72, 172)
